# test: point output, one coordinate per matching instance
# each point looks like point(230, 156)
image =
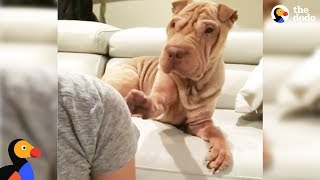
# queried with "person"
point(96, 137)
point(28, 110)
point(33, 3)
point(76, 10)
point(267, 8)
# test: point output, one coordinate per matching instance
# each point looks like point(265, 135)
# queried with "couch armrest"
point(89, 64)
point(84, 36)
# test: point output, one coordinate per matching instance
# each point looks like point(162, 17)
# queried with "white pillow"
point(302, 90)
point(249, 99)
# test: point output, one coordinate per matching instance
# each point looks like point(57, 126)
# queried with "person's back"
point(96, 138)
point(28, 110)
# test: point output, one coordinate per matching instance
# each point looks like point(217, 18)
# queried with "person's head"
point(267, 7)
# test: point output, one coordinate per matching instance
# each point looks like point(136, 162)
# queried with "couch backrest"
point(286, 47)
point(28, 37)
point(20, 24)
point(243, 52)
point(242, 47)
point(291, 38)
point(84, 36)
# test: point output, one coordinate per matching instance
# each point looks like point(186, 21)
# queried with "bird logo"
point(20, 169)
point(280, 14)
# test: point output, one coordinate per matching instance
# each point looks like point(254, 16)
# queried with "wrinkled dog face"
point(195, 35)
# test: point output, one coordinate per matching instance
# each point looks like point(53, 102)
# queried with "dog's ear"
point(178, 5)
point(227, 13)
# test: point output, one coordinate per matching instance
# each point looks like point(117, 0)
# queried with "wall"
point(156, 13)
point(313, 5)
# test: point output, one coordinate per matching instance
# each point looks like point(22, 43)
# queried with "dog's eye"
point(209, 30)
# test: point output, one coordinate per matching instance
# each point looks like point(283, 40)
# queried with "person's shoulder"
point(81, 79)
point(76, 81)
point(90, 86)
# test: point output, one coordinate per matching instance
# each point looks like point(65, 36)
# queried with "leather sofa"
point(28, 37)
point(28, 99)
point(165, 152)
point(290, 137)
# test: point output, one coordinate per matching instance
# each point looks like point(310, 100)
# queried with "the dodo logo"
point(19, 150)
point(280, 14)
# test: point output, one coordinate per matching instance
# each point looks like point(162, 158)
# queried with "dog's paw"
point(139, 103)
point(219, 157)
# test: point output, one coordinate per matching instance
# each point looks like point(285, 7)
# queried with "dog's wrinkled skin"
point(182, 86)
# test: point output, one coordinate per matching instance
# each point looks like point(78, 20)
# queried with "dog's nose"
point(175, 53)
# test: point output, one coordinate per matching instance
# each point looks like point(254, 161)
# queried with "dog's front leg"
point(163, 93)
point(219, 156)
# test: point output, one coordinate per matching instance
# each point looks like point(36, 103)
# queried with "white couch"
point(83, 46)
point(291, 139)
point(28, 43)
point(28, 37)
point(165, 152)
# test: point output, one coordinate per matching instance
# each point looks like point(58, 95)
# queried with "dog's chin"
point(167, 69)
point(187, 76)
point(196, 78)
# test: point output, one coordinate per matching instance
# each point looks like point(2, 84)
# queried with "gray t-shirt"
point(95, 131)
point(28, 110)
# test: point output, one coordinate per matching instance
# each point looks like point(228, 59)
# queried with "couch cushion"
point(300, 92)
point(244, 47)
point(84, 36)
point(236, 76)
point(137, 42)
point(91, 64)
point(250, 97)
point(28, 24)
point(165, 152)
point(241, 47)
point(293, 142)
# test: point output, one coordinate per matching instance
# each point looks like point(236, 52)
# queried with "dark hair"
point(76, 10)
point(34, 3)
